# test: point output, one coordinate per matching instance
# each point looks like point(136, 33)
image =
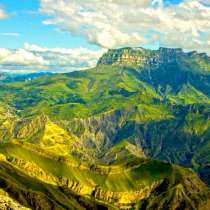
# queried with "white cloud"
point(36, 58)
point(115, 23)
point(20, 57)
point(69, 59)
point(10, 34)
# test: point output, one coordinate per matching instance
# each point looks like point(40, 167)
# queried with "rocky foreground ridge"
point(29, 177)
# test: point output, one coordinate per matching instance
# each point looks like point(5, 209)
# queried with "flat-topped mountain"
point(141, 57)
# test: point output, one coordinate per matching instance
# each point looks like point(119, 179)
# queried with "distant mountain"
point(14, 77)
point(111, 121)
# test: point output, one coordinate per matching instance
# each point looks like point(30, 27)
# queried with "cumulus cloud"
point(20, 57)
point(115, 23)
point(36, 58)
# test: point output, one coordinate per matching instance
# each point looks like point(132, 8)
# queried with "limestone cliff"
point(140, 57)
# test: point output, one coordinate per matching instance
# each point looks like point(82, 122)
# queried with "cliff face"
point(97, 135)
point(140, 57)
point(126, 56)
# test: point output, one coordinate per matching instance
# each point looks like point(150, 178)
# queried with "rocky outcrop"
point(32, 170)
point(140, 57)
point(7, 120)
point(6, 202)
point(30, 127)
point(124, 199)
point(125, 56)
point(96, 134)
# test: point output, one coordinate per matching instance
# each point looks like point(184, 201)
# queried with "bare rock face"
point(6, 202)
point(125, 56)
point(29, 128)
point(140, 57)
point(7, 118)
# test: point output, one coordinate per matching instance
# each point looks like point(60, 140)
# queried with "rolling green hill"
point(136, 104)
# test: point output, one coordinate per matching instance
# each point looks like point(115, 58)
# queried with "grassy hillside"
point(136, 104)
point(89, 112)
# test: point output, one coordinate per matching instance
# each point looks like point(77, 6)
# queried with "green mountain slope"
point(136, 104)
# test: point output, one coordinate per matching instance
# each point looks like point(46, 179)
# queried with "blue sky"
point(26, 20)
point(67, 35)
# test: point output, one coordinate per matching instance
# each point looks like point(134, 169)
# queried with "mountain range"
point(131, 133)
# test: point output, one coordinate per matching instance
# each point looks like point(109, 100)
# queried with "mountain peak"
point(139, 56)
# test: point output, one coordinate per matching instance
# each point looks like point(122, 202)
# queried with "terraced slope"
point(40, 181)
